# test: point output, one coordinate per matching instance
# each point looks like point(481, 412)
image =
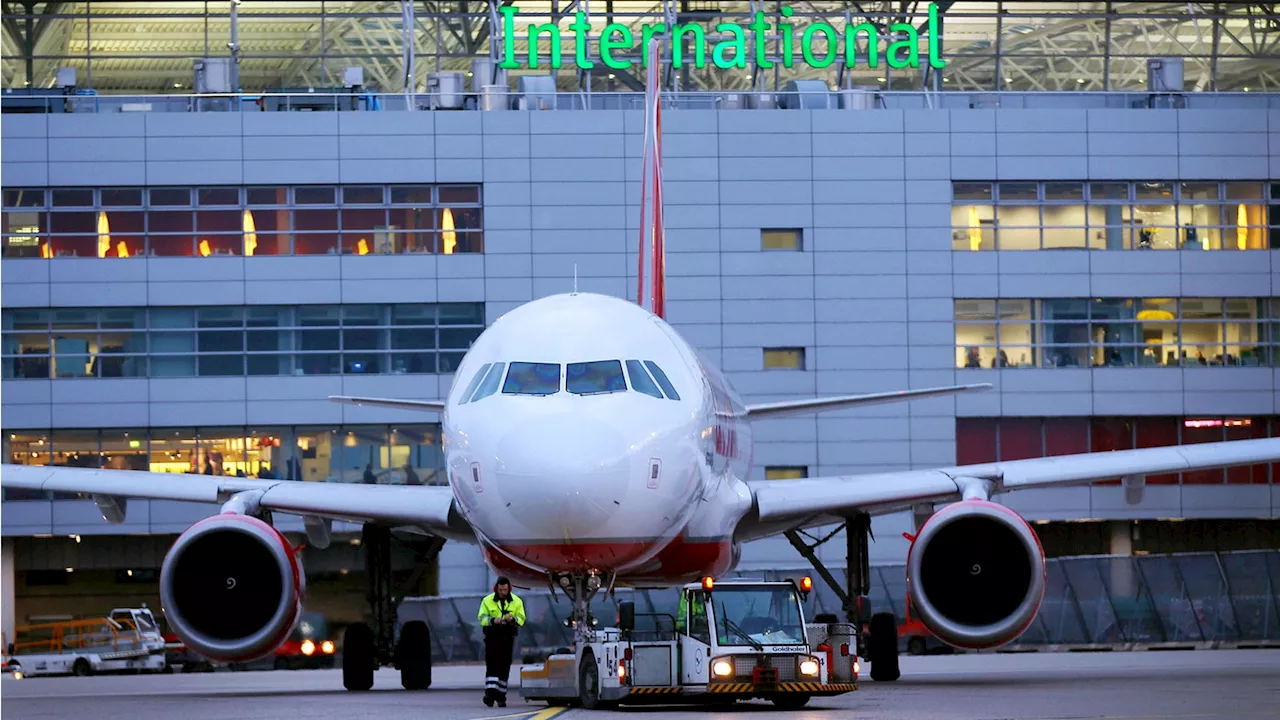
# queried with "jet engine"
point(976, 574)
point(232, 588)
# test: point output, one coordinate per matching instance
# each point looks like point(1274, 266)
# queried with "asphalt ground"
point(1150, 685)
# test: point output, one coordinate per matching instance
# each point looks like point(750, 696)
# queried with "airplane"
point(589, 446)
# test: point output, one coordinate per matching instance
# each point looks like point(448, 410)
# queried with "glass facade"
point(1200, 215)
point(1122, 332)
point(242, 221)
point(237, 341)
point(982, 440)
point(372, 454)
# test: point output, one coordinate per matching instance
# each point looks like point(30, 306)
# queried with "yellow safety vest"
point(493, 609)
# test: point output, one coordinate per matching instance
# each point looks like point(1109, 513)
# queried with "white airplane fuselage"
point(618, 481)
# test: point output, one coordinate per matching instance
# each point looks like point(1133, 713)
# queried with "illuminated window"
point(223, 221)
point(1140, 215)
point(1117, 332)
point(785, 473)
point(788, 358)
point(774, 239)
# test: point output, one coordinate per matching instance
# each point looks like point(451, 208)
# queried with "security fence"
point(1190, 598)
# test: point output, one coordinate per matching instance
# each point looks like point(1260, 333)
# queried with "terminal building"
point(1079, 209)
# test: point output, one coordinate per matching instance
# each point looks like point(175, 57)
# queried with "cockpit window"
point(490, 385)
point(640, 381)
point(475, 382)
point(590, 378)
point(663, 382)
point(528, 378)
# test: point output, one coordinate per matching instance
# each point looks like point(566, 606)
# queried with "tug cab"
point(730, 640)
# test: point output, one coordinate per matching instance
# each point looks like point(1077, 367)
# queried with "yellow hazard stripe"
point(783, 687)
point(730, 687)
point(654, 690)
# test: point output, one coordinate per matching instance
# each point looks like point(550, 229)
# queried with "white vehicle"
point(588, 445)
point(733, 640)
point(128, 640)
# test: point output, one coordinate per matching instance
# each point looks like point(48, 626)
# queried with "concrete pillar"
point(8, 620)
point(1122, 584)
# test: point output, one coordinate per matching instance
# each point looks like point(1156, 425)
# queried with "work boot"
point(502, 701)
point(488, 698)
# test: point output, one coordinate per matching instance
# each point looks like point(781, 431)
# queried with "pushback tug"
point(730, 640)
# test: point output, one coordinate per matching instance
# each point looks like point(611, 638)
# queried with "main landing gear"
point(877, 633)
point(365, 648)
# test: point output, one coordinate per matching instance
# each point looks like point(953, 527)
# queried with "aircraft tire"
point(413, 654)
point(357, 657)
point(883, 647)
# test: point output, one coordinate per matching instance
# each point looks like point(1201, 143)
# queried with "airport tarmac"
point(1170, 685)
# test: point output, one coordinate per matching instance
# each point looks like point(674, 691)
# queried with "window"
point(790, 239)
point(475, 382)
point(490, 384)
point(528, 378)
point(593, 378)
point(661, 378)
point(980, 440)
point(785, 473)
point(786, 358)
point(395, 455)
point(640, 380)
point(223, 221)
point(1117, 332)
point(1144, 215)
point(237, 341)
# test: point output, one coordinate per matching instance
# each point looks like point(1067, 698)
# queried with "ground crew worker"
point(699, 613)
point(501, 616)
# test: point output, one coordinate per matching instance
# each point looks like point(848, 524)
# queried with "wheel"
point(916, 646)
point(883, 648)
point(81, 667)
point(413, 655)
point(589, 684)
point(357, 657)
point(790, 701)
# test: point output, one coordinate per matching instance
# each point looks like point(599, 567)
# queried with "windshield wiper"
point(732, 626)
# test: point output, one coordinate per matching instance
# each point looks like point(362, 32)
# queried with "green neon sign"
point(730, 52)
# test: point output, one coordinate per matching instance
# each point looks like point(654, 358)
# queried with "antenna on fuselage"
point(575, 278)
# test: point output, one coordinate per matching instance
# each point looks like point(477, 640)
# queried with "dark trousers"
point(499, 646)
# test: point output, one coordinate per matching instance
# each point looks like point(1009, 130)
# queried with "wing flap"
point(778, 502)
point(393, 403)
point(787, 408)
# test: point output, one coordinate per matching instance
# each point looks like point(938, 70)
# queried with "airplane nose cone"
point(563, 477)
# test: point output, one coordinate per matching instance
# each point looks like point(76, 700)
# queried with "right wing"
point(782, 505)
point(424, 405)
point(428, 507)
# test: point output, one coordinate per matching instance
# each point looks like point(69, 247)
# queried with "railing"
point(46, 101)
point(1191, 598)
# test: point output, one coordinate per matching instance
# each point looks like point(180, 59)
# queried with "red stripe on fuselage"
point(680, 561)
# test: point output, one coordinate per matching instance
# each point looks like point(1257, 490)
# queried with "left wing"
point(424, 405)
point(428, 507)
point(781, 505)
point(786, 408)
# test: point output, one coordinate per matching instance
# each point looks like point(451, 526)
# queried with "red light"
point(806, 584)
point(626, 655)
point(844, 649)
point(708, 583)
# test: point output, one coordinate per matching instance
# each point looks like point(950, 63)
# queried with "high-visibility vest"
point(491, 608)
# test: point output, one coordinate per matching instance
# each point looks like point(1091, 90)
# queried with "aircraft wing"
point(785, 408)
point(781, 505)
point(424, 405)
point(426, 507)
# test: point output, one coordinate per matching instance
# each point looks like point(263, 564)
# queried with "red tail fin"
point(653, 270)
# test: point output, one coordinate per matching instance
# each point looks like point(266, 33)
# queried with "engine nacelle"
point(976, 574)
point(232, 588)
